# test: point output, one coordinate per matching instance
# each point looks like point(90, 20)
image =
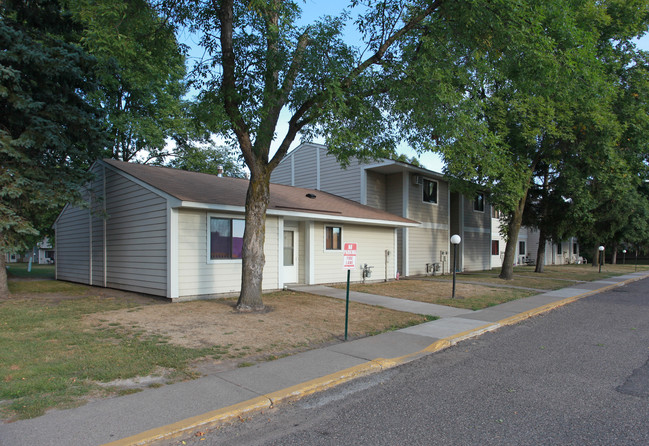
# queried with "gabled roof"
point(206, 189)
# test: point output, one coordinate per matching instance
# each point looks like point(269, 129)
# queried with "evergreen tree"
point(49, 133)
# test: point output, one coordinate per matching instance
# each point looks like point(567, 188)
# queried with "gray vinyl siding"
point(305, 168)
point(477, 237)
point(338, 181)
point(310, 167)
point(376, 190)
point(282, 173)
point(394, 194)
point(394, 205)
point(97, 205)
point(73, 245)
point(477, 251)
point(136, 237)
point(427, 212)
point(117, 242)
point(476, 219)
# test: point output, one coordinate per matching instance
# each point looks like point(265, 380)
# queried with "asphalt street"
point(578, 375)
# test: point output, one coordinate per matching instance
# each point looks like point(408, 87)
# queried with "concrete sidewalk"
point(194, 405)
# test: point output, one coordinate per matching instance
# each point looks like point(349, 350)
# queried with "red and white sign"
point(349, 256)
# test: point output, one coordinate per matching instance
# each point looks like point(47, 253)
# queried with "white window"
point(333, 238)
point(225, 238)
point(430, 191)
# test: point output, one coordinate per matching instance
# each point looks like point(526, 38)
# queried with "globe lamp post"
point(455, 240)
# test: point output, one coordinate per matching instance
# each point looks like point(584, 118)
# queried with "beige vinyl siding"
point(73, 245)
point(197, 277)
point(301, 247)
point(424, 245)
point(376, 190)
point(372, 243)
point(136, 237)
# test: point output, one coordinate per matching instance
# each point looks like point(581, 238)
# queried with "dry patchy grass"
point(61, 346)
point(473, 297)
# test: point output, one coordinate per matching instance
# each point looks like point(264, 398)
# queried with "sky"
point(314, 9)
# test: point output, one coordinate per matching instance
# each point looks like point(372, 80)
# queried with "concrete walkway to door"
point(393, 303)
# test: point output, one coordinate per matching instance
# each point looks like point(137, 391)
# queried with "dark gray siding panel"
point(97, 228)
point(73, 245)
point(305, 168)
point(476, 246)
point(282, 173)
point(338, 181)
point(376, 190)
point(136, 237)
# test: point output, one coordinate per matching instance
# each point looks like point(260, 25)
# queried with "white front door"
point(290, 256)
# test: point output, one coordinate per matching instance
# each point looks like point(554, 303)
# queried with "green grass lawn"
point(19, 270)
point(46, 366)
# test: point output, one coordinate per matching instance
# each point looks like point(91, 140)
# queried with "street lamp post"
point(455, 240)
point(624, 257)
point(601, 258)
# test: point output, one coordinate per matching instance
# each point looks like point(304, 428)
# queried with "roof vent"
point(311, 196)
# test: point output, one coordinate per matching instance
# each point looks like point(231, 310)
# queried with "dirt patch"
point(293, 322)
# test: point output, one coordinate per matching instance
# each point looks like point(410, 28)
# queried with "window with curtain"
point(478, 203)
point(226, 238)
point(430, 191)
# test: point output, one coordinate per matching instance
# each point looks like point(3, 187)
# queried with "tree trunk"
point(254, 236)
point(596, 256)
point(614, 254)
point(540, 254)
point(507, 271)
point(4, 284)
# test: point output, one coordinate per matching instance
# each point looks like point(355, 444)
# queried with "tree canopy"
point(499, 88)
point(49, 133)
point(533, 91)
point(141, 72)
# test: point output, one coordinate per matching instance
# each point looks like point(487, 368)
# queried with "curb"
point(298, 391)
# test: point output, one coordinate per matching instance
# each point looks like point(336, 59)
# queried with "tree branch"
point(228, 86)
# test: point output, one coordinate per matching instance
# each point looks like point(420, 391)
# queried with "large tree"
point(141, 70)
point(49, 134)
point(261, 62)
point(526, 106)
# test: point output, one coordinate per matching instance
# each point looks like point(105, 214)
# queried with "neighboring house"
point(178, 234)
point(408, 191)
point(527, 246)
point(559, 253)
point(42, 253)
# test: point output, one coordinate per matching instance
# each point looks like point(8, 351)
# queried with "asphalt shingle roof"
point(211, 189)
